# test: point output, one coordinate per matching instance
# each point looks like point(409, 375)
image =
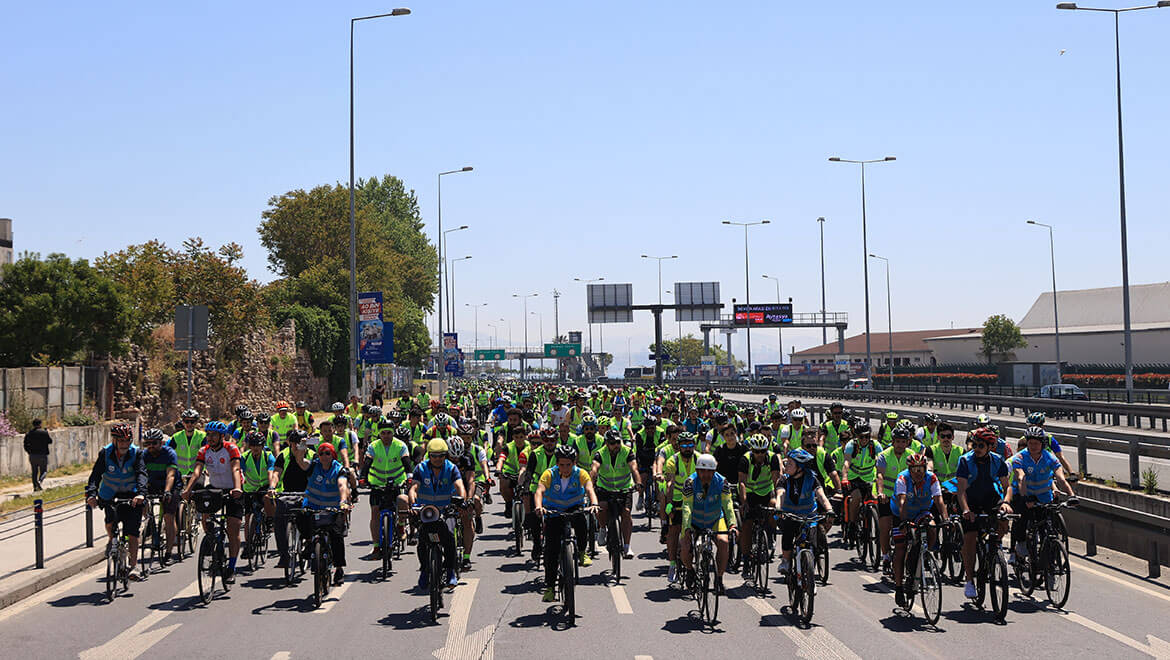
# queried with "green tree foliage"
point(688, 351)
point(155, 279)
point(307, 237)
point(317, 331)
point(56, 309)
point(1001, 336)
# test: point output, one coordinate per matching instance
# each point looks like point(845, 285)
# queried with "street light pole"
point(353, 315)
point(1121, 183)
point(439, 237)
point(587, 322)
point(660, 260)
point(524, 355)
point(747, 294)
point(1055, 316)
point(824, 330)
point(451, 289)
point(889, 318)
point(445, 273)
point(864, 251)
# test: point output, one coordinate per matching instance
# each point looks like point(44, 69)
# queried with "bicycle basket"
point(207, 501)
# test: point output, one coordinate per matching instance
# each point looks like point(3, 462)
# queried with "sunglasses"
point(687, 446)
point(946, 435)
point(979, 445)
point(327, 453)
point(442, 455)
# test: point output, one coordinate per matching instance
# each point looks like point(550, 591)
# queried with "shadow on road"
point(663, 595)
point(689, 623)
point(265, 583)
point(96, 598)
point(419, 617)
point(303, 604)
point(553, 617)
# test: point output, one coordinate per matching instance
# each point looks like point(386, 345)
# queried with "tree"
point(689, 349)
point(1001, 336)
point(57, 309)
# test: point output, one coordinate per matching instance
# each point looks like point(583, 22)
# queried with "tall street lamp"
point(747, 294)
point(660, 260)
point(587, 322)
point(1121, 182)
point(864, 251)
point(779, 329)
point(1055, 317)
point(824, 330)
point(451, 289)
point(475, 310)
point(353, 320)
point(889, 318)
point(524, 358)
point(439, 238)
point(495, 334)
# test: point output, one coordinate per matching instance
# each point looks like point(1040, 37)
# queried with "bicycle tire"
point(809, 588)
point(821, 558)
point(568, 580)
point(614, 549)
point(265, 539)
point(982, 576)
point(762, 563)
point(1025, 573)
point(147, 547)
point(161, 547)
point(713, 605)
point(875, 557)
point(999, 585)
point(321, 575)
point(1056, 572)
point(205, 570)
point(385, 533)
point(518, 526)
point(435, 581)
point(124, 564)
point(930, 587)
point(221, 560)
point(860, 542)
point(294, 554)
point(111, 571)
point(703, 589)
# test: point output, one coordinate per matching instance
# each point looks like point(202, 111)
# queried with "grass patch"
point(63, 471)
point(72, 490)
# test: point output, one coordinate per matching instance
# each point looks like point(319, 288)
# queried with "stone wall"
point(269, 367)
point(71, 444)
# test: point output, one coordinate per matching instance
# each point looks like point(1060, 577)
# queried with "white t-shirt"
point(217, 464)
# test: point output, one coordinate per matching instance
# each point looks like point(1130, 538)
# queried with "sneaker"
point(784, 566)
point(585, 560)
point(246, 553)
point(479, 524)
point(134, 575)
point(338, 577)
point(466, 565)
point(900, 597)
point(602, 536)
point(969, 589)
point(452, 581)
point(550, 595)
point(672, 574)
point(229, 576)
point(422, 581)
point(886, 558)
point(1011, 559)
point(627, 553)
point(662, 536)
point(508, 512)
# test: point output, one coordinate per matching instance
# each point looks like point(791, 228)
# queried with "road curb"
point(56, 571)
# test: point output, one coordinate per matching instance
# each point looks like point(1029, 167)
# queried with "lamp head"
point(465, 169)
point(400, 11)
point(890, 158)
point(834, 159)
point(1071, 5)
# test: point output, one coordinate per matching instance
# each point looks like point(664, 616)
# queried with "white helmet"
point(798, 413)
point(338, 407)
point(705, 462)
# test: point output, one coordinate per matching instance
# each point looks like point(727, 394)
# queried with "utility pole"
point(556, 315)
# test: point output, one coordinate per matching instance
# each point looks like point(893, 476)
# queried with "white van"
point(859, 384)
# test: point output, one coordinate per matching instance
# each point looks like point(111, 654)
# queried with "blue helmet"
point(801, 457)
point(656, 410)
point(216, 426)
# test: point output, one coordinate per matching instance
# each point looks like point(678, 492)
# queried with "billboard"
point(767, 370)
point(765, 315)
point(574, 336)
point(705, 295)
point(375, 337)
point(610, 303)
point(452, 362)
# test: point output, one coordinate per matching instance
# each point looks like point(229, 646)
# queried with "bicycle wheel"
point(809, 586)
point(1025, 574)
point(435, 580)
point(703, 589)
point(762, 564)
point(161, 547)
point(567, 579)
point(713, 597)
point(998, 581)
point(615, 549)
point(221, 562)
point(294, 554)
point(265, 539)
point(518, 526)
point(321, 575)
point(386, 543)
point(1056, 571)
point(111, 571)
point(190, 529)
point(982, 575)
point(860, 542)
point(148, 546)
point(206, 569)
point(124, 564)
point(821, 559)
point(871, 540)
point(930, 587)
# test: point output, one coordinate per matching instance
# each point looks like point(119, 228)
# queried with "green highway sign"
point(496, 354)
point(562, 350)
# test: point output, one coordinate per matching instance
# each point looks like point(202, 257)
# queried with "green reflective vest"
point(946, 467)
point(187, 449)
point(539, 461)
point(615, 473)
point(862, 460)
point(387, 463)
point(894, 467)
point(681, 469)
point(828, 481)
point(759, 477)
point(792, 435)
point(833, 433)
point(255, 471)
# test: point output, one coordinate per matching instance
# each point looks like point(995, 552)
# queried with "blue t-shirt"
point(436, 489)
point(1038, 475)
point(982, 487)
point(156, 468)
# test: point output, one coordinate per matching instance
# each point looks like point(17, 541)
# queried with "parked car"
point(1062, 391)
point(768, 380)
point(859, 384)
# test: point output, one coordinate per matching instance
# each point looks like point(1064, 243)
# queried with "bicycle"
point(320, 558)
point(517, 516)
point(801, 578)
point(951, 549)
point(257, 536)
point(704, 593)
point(296, 564)
point(1047, 557)
point(991, 571)
point(117, 553)
point(758, 559)
point(567, 571)
point(922, 573)
point(188, 530)
point(212, 561)
point(391, 539)
point(153, 538)
point(434, 555)
point(616, 505)
point(650, 499)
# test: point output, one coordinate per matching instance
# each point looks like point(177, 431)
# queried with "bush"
point(1149, 481)
point(6, 427)
point(78, 419)
point(19, 414)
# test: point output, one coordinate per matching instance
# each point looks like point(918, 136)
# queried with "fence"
point(47, 390)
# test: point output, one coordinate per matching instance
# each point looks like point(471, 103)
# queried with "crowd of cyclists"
point(720, 479)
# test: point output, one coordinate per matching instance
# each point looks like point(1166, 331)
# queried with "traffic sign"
point(665, 356)
point(562, 350)
point(492, 354)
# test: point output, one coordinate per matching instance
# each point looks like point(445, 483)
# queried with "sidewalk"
point(26, 489)
point(65, 553)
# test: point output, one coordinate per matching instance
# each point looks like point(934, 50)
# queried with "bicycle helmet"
point(983, 419)
point(731, 409)
point(837, 404)
point(983, 434)
point(800, 457)
point(705, 462)
point(1035, 432)
point(189, 414)
point(759, 442)
point(686, 438)
point(301, 404)
point(402, 433)
point(154, 435)
point(656, 410)
point(337, 407)
point(375, 411)
point(263, 418)
point(213, 426)
point(546, 432)
point(247, 414)
point(297, 435)
point(901, 433)
point(466, 429)
point(797, 413)
point(240, 410)
point(612, 437)
point(437, 446)
point(566, 451)
point(254, 438)
point(916, 460)
point(282, 405)
point(862, 429)
point(891, 415)
point(755, 427)
point(589, 420)
point(455, 447)
point(932, 418)
point(1036, 418)
point(908, 425)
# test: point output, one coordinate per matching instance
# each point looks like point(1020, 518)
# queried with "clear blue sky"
point(603, 130)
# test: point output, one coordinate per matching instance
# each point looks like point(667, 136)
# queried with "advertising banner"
point(375, 337)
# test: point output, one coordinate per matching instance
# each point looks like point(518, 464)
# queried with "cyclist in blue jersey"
point(916, 493)
point(801, 493)
point(434, 483)
point(1035, 471)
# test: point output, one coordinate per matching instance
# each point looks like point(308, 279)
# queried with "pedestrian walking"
point(36, 445)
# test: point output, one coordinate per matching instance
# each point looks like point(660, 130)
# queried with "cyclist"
point(587, 442)
point(283, 421)
point(944, 456)
point(982, 481)
point(916, 493)
point(345, 450)
point(826, 467)
point(885, 432)
point(259, 466)
point(791, 434)
point(927, 434)
point(418, 431)
point(759, 477)
point(243, 425)
point(729, 455)
point(1035, 471)
point(1038, 418)
point(328, 487)
point(271, 438)
point(187, 442)
point(478, 458)
point(120, 471)
point(384, 467)
point(557, 413)
point(348, 442)
point(563, 487)
point(539, 456)
point(646, 441)
point(801, 493)
point(714, 434)
point(889, 464)
point(508, 466)
point(435, 483)
point(675, 472)
point(292, 479)
point(706, 504)
point(614, 470)
point(829, 433)
point(465, 458)
point(220, 460)
point(162, 472)
point(304, 417)
point(423, 398)
point(354, 409)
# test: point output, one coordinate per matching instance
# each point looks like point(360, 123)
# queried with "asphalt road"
point(497, 610)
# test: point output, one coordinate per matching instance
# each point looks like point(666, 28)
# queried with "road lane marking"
point(281, 655)
point(479, 645)
point(1136, 587)
point(643, 657)
point(333, 598)
point(620, 601)
point(813, 643)
point(138, 639)
point(1156, 647)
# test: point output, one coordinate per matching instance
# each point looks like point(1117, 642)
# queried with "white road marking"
point(41, 597)
point(620, 601)
point(281, 655)
point(813, 643)
point(1156, 647)
point(333, 598)
point(136, 640)
point(643, 657)
point(460, 645)
point(1082, 566)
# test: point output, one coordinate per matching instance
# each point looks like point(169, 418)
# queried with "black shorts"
point(788, 530)
point(755, 502)
point(173, 506)
point(604, 496)
point(232, 507)
point(676, 513)
point(385, 497)
point(253, 498)
point(129, 516)
point(977, 507)
point(864, 487)
point(884, 509)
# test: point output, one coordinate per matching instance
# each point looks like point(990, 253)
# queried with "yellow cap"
point(437, 446)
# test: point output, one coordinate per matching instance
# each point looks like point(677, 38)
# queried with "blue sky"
point(600, 131)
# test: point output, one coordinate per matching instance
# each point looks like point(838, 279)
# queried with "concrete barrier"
point(71, 444)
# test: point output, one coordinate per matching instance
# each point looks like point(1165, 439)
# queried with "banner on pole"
point(375, 337)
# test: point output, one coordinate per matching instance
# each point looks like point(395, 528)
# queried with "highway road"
point(497, 611)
